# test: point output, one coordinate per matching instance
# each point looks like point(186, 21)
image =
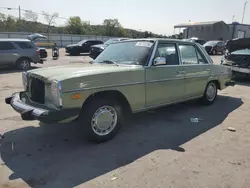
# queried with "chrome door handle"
point(180, 72)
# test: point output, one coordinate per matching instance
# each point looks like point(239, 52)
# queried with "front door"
point(164, 80)
point(197, 70)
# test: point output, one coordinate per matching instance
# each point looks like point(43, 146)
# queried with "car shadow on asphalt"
point(13, 70)
point(57, 156)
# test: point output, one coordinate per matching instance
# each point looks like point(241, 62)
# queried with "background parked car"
point(33, 38)
point(19, 53)
point(194, 39)
point(238, 56)
point(95, 50)
point(215, 47)
point(81, 47)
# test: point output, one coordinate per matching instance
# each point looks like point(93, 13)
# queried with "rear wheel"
point(101, 119)
point(23, 64)
point(210, 93)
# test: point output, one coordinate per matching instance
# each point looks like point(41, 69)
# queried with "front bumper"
point(241, 70)
point(29, 112)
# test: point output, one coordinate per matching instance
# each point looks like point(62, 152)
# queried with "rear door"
point(86, 46)
point(8, 53)
point(28, 49)
point(197, 69)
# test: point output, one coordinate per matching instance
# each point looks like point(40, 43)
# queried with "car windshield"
point(131, 52)
point(211, 43)
point(110, 41)
point(81, 42)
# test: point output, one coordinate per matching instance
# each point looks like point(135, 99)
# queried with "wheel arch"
point(24, 57)
point(116, 95)
point(216, 81)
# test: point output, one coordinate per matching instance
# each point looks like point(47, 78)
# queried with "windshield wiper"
point(109, 62)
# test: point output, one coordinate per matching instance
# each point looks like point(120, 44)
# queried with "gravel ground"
point(160, 148)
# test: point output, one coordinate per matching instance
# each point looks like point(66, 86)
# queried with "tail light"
point(38, 52)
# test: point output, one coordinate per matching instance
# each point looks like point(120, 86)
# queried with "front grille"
point(37, 90)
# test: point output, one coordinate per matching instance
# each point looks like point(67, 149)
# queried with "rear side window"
point(6, 46)
point(190, 55)
point(24, 45)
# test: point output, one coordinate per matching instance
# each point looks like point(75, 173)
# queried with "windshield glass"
point(211, 43)
point(110, 41)
point(81, 42)
point(132, 52)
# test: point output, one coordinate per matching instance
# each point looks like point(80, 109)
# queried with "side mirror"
point(160, 61)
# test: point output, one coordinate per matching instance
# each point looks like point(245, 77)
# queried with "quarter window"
point(24, 45)
point(6, 46)
point(168, 53)
point(190, 55)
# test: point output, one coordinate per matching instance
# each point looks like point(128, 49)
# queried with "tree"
point(50, 20)
point(112, 27)
point(75, 25)
point(30, 16)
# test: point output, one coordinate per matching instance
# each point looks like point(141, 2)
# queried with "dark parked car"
point(81, 47)
point(95, 50)
point(215, 47)
point(33, 38)
point(238, 56)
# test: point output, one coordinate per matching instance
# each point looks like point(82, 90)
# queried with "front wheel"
point(210, 93)
point(101, 119)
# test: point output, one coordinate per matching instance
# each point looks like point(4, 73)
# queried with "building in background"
point(215, 30)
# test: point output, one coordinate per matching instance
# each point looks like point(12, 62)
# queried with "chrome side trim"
point(100, 87)
point(166, 104)
point(166, 79)
point(153, 54)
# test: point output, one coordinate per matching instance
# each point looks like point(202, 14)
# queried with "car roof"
point(13, 40)
point(161, 40)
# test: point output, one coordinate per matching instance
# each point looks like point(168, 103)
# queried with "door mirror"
point(160, 61)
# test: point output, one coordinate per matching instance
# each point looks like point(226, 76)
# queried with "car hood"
point(35, 36)
point(72, 71)
point(100, 46)
point(238, 44)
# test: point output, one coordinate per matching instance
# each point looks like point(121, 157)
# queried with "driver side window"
point(166, 54)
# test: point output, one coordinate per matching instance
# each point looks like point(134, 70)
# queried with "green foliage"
point(74, 25)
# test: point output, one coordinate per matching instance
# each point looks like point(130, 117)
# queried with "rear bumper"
point(29, 112)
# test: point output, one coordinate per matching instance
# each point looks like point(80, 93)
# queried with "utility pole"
point(233, 18)
point(244, 12)
point(19, 10)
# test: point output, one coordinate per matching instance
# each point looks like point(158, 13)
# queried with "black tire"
point(87, 114)
point(206, 99)
point(23, 64)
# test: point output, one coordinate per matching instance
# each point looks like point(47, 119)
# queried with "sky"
point(158, 16)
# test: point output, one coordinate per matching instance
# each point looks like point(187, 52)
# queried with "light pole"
point(244, 12)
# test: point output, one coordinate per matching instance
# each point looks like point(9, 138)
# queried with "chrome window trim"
point(153, 54)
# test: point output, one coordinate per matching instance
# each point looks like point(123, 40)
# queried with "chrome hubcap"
point(25, 64)
point(211, 91)
point(104, 120)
